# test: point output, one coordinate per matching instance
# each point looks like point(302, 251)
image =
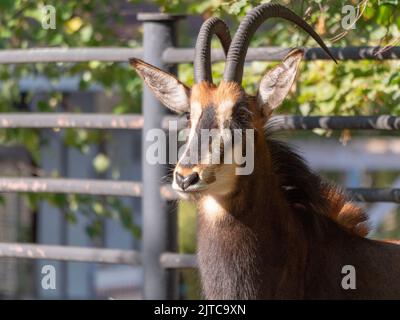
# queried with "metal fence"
point(158, 257)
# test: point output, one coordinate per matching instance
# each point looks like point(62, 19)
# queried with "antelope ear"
point(167, 88)
point(275, 85)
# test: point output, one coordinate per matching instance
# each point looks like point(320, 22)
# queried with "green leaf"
point(390, 2)
point(60, 200)
point(369, 12)
point(2, 201)
point(43, 106)
point(126, 217)
point(34, 13)
point(7, 4)
point(384, 14)
point(98, 208)
point(101, 163)
point(237, 7)
point(70, 217)
point(95, 229)
point(136, 231)
point(86, 33)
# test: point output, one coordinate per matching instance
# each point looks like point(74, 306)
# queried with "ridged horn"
point(202, 56)
point(240, 43)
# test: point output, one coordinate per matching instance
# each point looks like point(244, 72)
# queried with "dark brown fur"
point(286, 234)
point(280, 232)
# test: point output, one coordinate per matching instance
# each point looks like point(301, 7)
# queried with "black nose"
point(185, 181)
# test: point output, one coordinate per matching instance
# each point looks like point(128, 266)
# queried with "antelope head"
point(224, 107)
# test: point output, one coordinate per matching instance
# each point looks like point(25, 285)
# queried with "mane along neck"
point(305, 191)
point(253, 243)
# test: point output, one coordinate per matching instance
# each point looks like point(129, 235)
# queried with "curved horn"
point(238, 49)
point(202, 56)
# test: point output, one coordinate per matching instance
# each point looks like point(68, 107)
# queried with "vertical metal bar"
point(158, 222)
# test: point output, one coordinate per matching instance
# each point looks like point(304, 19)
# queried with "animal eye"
point(187, 115)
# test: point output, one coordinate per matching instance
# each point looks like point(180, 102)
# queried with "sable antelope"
point(280, 232)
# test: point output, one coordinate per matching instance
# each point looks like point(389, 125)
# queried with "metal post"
point(158, 220)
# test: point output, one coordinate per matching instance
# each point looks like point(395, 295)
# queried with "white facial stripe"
point(195, 109)
point(194, 118)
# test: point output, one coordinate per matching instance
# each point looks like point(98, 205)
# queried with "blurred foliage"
point(349, 88)
point(360, 87)
point(390, 226)
point(94, 208)
point(78, 24)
